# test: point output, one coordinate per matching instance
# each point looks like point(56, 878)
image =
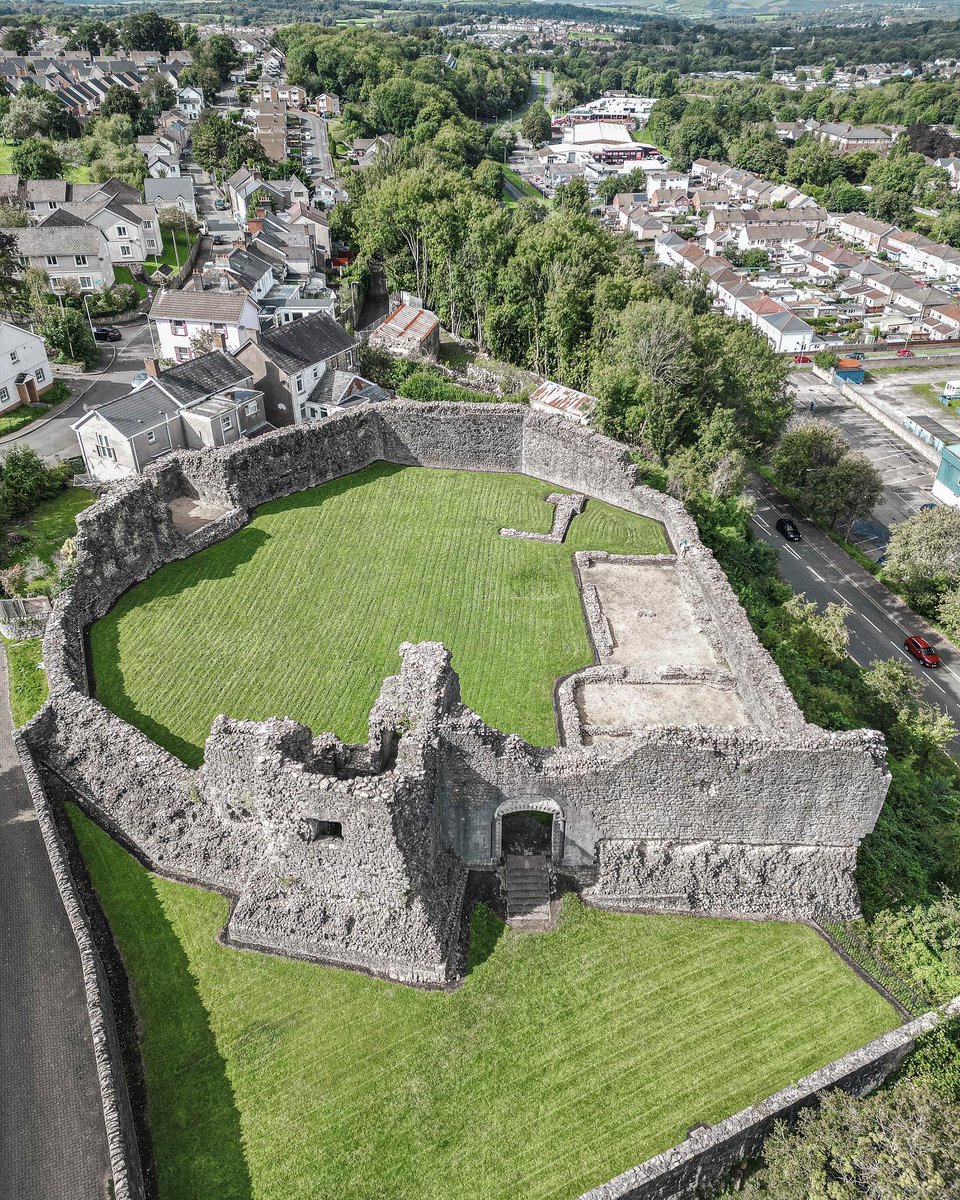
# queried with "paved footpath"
point(52, 1138)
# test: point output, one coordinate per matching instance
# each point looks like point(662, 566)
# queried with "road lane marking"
point(790, 550)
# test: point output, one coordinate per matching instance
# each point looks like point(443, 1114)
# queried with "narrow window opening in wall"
point(316, 830)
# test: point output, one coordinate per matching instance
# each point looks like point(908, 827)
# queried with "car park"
point(921, 650)
point(107, 333)
point(786, 528)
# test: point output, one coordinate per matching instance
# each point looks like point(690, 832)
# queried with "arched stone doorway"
point(531, 805)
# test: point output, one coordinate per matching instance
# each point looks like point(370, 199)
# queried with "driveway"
point(53, 1142)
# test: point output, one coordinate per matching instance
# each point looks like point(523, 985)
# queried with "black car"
point(787, 529)
point(218, 239)
point(107, 333)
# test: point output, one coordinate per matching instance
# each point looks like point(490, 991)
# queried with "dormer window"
point(80, 260)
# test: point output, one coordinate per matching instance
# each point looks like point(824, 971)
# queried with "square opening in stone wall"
point(316, 830)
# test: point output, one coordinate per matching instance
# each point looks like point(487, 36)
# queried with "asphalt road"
point(878, 621)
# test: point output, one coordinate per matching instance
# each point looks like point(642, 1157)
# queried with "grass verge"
point(302, 612)
point(562, 1060)
point(12, 421)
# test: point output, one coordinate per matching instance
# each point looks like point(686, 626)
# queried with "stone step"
point(527, 881)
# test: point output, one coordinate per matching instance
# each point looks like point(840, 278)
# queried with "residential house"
point(315, 224)
point(24, 368)
point(408, 331)
point(862, 230)
point(363, 151)
point(182, 319)
point(190, 101)
point(304, 369)
point(207, 402)
point(172, 193)
point(132, 229)
point(848, 139)
point(70, 251)
point(327, 104)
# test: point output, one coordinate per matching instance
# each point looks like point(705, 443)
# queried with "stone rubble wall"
point(565, 508)
point(125, 1167)
point(700, 1165)
point(423, 802)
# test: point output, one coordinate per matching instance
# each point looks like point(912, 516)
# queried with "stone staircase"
point(527, 879)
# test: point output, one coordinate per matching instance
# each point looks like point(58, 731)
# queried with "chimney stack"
point(152, 367)
point(219, 341)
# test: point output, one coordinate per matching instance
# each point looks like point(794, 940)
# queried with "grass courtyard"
point(301, 613)
point(563, 1058)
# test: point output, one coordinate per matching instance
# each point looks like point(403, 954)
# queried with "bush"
point(825, 359)
point(425, 385)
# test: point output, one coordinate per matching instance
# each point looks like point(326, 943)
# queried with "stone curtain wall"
point(125, 1168)
point(754, 820)
point(701, 1164)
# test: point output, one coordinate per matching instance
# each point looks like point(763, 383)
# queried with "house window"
point(125, 251)
point(182, 354)
point(4, 395)
point(178, 328)
point(86, 283)
point(51, 260)
point(80, 260)
point(51, 204)
point(219, 327)
point(252, 409)
point(151, 243)
point(299, 384)
point(121, 231)
point(226, 422)
point(40, 374)
point(151, 436)
point(103, 447)
point(14, 356)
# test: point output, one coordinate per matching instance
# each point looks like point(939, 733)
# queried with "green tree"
point(924, 555)
point(896, 1143)
point(761, 152)
point(841, 196)
point(148, 31)
point(26, 117)
point(488, 176)
point(67, 335)
point(121, 100)
point(835, 484)
point(157, 93)
point(37, 158)
point(18, 39)
point(812, 164)
point(536, 126)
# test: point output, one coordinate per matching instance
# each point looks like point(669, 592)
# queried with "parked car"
point(107, 333)
point(139, 380)
point(220, 205)
point(903, 352)
point(928, 507)
point(802, 358)
point(786, 528)
point(857, 354)
point(218, 239)
point(922, 651)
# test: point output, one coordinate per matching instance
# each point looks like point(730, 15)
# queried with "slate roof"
point(169, 189)
point(202, 376)
point(60, 239)
point(195, 304)
point(306, 341)
point(141, 410)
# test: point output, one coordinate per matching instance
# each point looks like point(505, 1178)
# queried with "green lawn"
point(51, 523)
point(563, 1059)
point(184, 242)
point(302, 612)
point(26, 680)
point(78, 174)
point(11, 421)
point(522, 186)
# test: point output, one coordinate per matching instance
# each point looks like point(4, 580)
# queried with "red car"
point(922, 651)
point(801, 358)
point(904, 353)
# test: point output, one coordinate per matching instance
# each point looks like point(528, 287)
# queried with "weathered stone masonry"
point(357, 855)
